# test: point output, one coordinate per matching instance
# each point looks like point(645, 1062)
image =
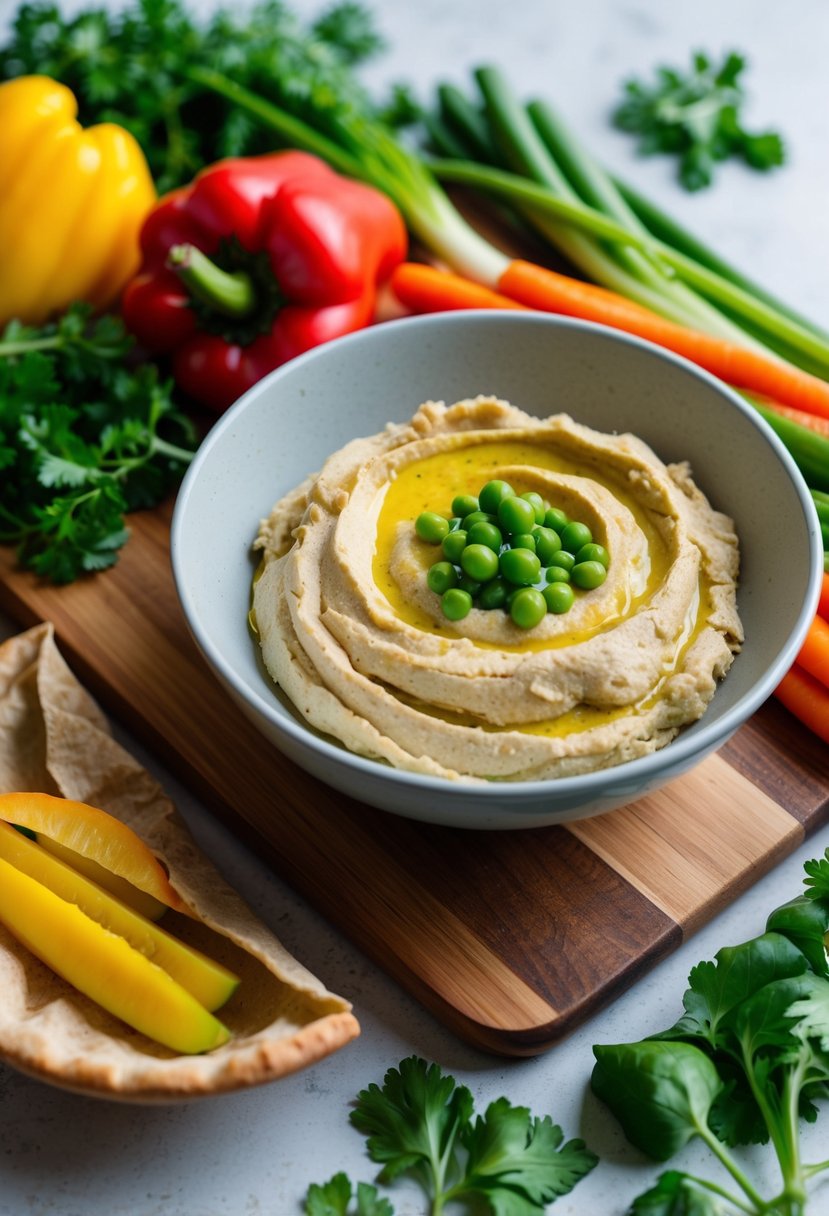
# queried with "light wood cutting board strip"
point(681, 850)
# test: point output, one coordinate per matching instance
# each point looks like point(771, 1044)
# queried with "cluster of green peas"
point(510, 551)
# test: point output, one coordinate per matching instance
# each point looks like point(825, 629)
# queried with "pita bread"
point(54, 739)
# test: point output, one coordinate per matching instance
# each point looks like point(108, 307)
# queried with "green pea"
point(537, 505)
point(516, 515)
point(485, 534)
point(479, 562)
point(454, 545)
point(441, 577)
point(593, 553)
point(493, 594)
point(431, 527)
point(456, 603)
point(557, 574)
point(555, 518)
point(469, 584)
point(588, 575)
point(558, 597)
point(493, 493)
point(574, 536)
point(547, 545)
point(479, 517)
point(519, 566)
point(528, 608)
point(564, 559)
point(464, 504)
point(523, 540)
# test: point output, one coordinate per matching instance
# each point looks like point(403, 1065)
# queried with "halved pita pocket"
point(54, 739)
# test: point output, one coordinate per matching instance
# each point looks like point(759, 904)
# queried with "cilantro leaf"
point(718, 988)
point(747, 1061)
point(332, 1198)
point(413, 1121)
point(678, 1194)
point(505, 1162)
point(518, 1163)
point(817, 877)
point(695, 115)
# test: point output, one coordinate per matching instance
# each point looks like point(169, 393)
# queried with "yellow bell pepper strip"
point(105, 967)
point(94, 835)
point(208, 981)
point(72, 203)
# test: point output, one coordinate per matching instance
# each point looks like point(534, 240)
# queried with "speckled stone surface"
point(255, 1154)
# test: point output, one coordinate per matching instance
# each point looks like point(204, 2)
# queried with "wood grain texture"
point(680, 849)
point(510, 938)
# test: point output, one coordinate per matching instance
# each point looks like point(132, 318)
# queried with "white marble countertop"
point(255, 1153)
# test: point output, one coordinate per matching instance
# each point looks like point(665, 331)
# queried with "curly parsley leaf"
point(85, 437)
point(696, 116)
point(130, 66)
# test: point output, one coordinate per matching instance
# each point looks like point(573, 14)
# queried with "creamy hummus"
point(353, 636)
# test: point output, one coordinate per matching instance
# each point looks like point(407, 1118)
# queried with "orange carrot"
point(549, 291)
point(422, 288)
point(814, 653)
point(823, 602)
point(807, 699)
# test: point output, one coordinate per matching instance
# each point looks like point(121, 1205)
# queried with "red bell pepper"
point(256, 261)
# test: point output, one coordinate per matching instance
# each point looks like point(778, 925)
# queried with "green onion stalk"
point(526, 159)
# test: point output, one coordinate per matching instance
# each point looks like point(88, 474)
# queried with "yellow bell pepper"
point(71, 206)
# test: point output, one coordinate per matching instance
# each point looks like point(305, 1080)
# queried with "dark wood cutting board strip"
point(510, 938)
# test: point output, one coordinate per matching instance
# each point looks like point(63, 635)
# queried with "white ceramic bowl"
point(286, 425)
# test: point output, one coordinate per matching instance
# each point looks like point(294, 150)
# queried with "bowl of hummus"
point(495, 570)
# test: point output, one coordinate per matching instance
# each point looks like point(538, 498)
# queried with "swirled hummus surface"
point(351, 633)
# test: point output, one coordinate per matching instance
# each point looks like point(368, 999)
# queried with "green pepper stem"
point(230, 293)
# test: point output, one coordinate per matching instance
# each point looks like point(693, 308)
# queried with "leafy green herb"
point(130, 66)
point(84, 438)
point(420, 1122)
point(745, 1063)
point(333, 1198)
point(696, 116)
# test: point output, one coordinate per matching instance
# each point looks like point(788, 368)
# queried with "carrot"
point(814, 653)
point(549, 291)
point(807, 699)
point(422, 288)
point(823, 602)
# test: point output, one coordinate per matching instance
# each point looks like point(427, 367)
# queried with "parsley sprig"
point(131, 66)
point(696, 116)
point(420, 1122)
point(85, 436)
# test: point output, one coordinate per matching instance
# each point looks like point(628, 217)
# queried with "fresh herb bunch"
point(420, 1122)
point(696, 116)
point(84, 438)
point(132, 67)
point(745, 1063)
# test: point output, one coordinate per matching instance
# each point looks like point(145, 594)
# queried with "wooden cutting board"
point(510, 938)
